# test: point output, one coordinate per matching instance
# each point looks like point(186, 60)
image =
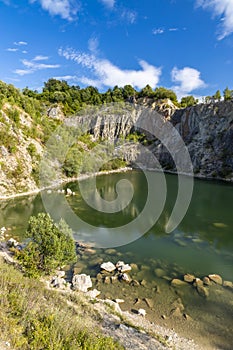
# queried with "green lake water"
point(202, 244)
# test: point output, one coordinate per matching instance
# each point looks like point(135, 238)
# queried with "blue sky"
point(186, 45)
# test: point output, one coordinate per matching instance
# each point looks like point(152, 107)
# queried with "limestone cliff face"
point(206, 129)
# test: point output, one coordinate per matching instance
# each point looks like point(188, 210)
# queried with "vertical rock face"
point(207, 130)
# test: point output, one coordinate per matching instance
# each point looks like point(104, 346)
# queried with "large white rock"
point(108, 266)
point(81, 282)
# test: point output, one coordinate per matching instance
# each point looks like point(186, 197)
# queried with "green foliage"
point(51, 246)
point(217, 95)
point(227, 94)
point(163, 93)
point(14, 115)
point(188, 101)
point(35, 318)
point(113, 164)
point(32, 150)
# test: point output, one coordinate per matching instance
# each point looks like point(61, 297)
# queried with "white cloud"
point(12, 49)
point(67, 9)
point(158, 31)
point(108, 3)
point(107, 74)
point(40, 58)
point(20, 43)
point(188, 79)
point(173, 29)
point(24, 51)
point(223, 8)
point(129, 15)
point(32, 66)
point(93, 44)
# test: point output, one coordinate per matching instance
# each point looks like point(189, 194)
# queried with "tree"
point(227, 94)
point(163, 93)
point(50, 246)
point(147, 91)
point(188, 101)
point(217, 95)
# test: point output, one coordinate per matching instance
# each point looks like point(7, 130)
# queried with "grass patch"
point(33, 317)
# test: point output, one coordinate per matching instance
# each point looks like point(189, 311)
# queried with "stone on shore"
point(81, 282)
point(124, 277)
point(142, 312)
point(93, 293)
point(108, 266)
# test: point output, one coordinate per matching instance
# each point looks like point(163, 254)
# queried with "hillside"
point(27, 119)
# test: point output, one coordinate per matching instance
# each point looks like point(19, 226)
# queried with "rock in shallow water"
point(216, 278)
point(108, 266)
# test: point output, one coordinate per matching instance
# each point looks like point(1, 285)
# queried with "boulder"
point(203, 291)
point(125, 268)
point(206, 281)
point(108, 266)
point(58, 282)
point(228, 284)
point(198, 282)
point(119, 301)
point(178, 283)
point(142, 312)
point(124, 277)
point(81, 282)
point(119, 264)
point(134, 283)
point(159, 272)
point(12, 242)
point(114, 305)
point(215, 278)
point(60, 273)
point(93, 293)
point(189, 278)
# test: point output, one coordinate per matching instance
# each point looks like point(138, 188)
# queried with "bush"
point(51, 246)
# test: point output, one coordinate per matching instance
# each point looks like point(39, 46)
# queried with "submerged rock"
point(228, 284)
point(81, 282)
point(203, 291)
point(177, 283)
point(159, 272)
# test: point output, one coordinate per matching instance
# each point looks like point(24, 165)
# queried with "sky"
point(184, 45)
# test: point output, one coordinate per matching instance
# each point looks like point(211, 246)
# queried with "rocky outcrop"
point(206, 129)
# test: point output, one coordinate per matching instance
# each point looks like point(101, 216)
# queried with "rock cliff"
point(207, 130)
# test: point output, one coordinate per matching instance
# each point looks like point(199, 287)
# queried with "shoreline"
point(67, 180)
point(108, 172)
